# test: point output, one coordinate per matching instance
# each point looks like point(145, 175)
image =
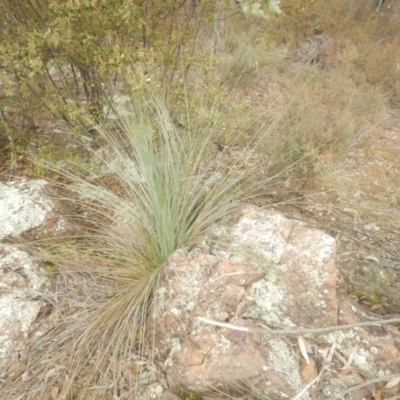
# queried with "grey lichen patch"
point(283, 359)
point(175, 349)
point(362, 354)
point(187, 300)
point(194, 279)
point(260, 233)
point(266, 299)
point(18, 311)
point(155, 391)
point(20, 277)
point(22, 207)
point(12, 259)
point(317, 275)
point(17, 318)
point(222, 346)
point(160, 298)
point(312, 301)
point(218, 231)
point(319, 252)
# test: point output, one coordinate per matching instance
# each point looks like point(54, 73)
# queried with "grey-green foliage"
point(256, 8)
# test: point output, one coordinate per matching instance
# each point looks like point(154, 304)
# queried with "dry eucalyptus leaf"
point(372, 258)
point(54, 392)
point(16, 369)
point(378, 396)
point(346, 372)
point(346, 363)
point(303, 348)
point(393, 382)
point(23, 351)
point(25, 376)
point(308, 371)
point(50, 373)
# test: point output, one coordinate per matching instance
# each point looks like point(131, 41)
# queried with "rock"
point(298, 290)
point(26, 210)
point(21, 283)
point(375, 350)
point(29, 208)
point(266, 270)
point(301, 288)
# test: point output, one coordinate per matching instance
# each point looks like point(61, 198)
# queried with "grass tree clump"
point(156, 198)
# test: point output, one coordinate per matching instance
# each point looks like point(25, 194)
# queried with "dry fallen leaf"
point(308, 371)
point(50, 373)
point(25, 376)
point(53, 371)
point(346, 363)
point(23, 350)
point(326, 157)
point(346, 372)
point(378, 396)
point(393, 382)
point(303, 348)
point(16, 369)
point(54, 392)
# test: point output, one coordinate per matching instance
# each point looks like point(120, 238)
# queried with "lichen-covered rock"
point(374, 349)
point(300, 287)
point(290, 282)
point(28, 210)
point(271, 271)
point(201, 357)
point(28, 207)
point(21, 284)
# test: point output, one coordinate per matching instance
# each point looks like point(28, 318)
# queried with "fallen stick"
point(302, 331)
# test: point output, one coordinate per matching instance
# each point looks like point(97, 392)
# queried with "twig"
point(362, 385)
point(295, 332)
point(378, 7)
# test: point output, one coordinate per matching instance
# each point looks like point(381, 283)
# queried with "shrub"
point(59, 58)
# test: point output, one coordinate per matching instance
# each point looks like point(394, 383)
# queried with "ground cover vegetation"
point(214, 107)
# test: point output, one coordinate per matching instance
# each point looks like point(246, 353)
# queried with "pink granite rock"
point(267, 271)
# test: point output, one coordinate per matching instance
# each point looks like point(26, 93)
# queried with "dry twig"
point(362, 385)
point(302, 331)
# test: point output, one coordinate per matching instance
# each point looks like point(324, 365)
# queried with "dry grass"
point(343, 129)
